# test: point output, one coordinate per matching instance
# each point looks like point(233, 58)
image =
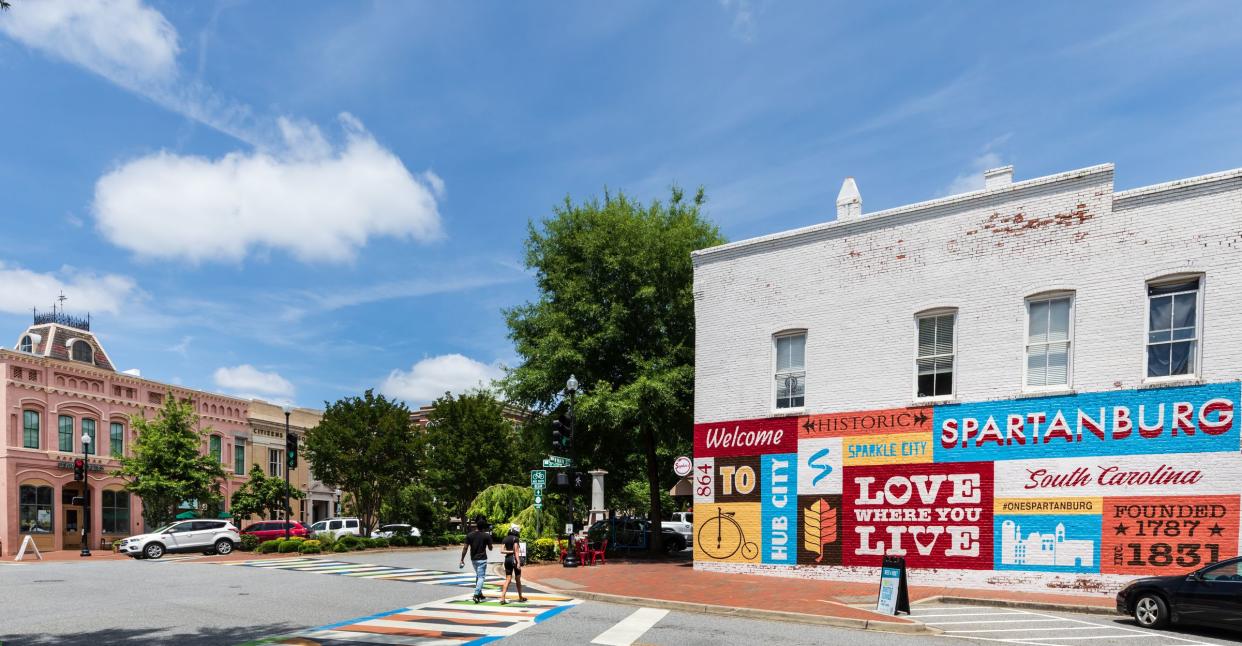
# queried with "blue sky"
point(298, 201)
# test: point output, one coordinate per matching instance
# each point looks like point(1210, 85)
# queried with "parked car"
point(273, 529)
point(1210, 595)
point(396, 529)
point(207, 536)
point(683, 523)
point(625, 534)
point(337, 527)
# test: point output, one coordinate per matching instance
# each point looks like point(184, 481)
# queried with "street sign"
point(682, 466)
point(556, 462)
point(539, 499)
point(538, 477)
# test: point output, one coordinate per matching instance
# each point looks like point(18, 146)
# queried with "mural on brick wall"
point(1123, 482)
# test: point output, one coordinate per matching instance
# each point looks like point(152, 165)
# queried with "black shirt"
point(479, 543)
point(511, 543)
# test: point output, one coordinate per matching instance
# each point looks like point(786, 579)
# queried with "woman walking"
point(513, 563)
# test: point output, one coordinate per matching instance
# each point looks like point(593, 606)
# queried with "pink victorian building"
point(59, 384)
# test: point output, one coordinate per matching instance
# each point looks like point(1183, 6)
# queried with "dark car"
point(1211, 595)
point(625, 534)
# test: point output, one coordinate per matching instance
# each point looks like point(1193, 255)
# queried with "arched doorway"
point(73, 515)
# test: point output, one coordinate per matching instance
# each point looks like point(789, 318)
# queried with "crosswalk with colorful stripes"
point(464, 578)
point(456, 620)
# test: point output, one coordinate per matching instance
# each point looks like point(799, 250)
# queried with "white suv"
point(205, 536)
point(337, 527)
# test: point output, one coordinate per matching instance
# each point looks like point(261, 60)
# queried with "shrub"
point(249, 543)
point(309, 547)
point(297, 538)
point(267, 547)
point(499, 503)
point(327, 540)
point(530, 518)
point(340, 547)
point(358, 547)
point(379, 542)
point(348, 540)
point(544, 549)
point(459, 539)
point(288, 546)
point(398, 541)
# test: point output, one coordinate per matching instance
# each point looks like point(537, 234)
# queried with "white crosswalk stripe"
point(371, 571)
point(628, 630)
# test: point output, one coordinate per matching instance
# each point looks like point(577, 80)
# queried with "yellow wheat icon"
point(819, 527)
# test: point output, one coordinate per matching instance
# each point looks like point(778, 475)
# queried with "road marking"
point(1042, 635)
point(971, 614)
point(455, 620)
point(998, 621)
point(631, 628)
point(369, 571)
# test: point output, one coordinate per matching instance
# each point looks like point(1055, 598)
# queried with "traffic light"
point(79, 469)
point(562, 432)
point(291, 451)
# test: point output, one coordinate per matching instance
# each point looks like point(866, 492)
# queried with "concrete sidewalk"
point(677, 585)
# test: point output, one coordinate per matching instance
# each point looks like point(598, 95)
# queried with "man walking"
point(513, 562)
point(478, 542)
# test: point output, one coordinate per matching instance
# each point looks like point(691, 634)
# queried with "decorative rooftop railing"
point(60, 318)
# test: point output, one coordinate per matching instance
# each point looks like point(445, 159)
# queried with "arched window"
point(83, 352)
point(216, 451)
point(27, 344)
point(115, 512)
point(35, 515)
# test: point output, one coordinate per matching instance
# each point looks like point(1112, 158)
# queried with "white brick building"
point(1055, 292)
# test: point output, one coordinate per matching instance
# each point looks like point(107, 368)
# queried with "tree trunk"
point(655, 514)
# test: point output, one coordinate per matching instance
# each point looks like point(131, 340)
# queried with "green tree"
point(470, 445)
point(500, 503)
point(364, 446)
point(168, 466)
point(616, 309)
point(417, 505)
point(262, 496)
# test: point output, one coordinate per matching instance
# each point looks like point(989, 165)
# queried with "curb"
point(913, 628)
point(1025, 605)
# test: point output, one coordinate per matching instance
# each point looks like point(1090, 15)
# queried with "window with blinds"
point(791, 370)
point(1172, 328)
point(934, 363)
point(1048, 338)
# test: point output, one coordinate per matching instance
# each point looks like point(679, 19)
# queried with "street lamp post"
point(288, 509)
point(86, 495)
point(571, 388)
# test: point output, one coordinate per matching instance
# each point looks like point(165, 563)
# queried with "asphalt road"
point(198, 601)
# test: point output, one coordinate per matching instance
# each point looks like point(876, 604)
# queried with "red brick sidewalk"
point(679, 582)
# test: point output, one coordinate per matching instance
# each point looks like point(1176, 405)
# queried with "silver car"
point(219, 536)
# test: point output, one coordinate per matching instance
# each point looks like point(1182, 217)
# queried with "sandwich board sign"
point(28, 540)
point(894, 596)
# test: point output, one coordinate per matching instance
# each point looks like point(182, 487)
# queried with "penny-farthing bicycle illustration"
point(722, 536)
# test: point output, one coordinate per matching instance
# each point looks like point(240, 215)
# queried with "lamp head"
point(572, 384)
point(86, 439)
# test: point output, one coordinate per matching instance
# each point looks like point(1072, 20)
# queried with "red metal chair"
point(599, 553)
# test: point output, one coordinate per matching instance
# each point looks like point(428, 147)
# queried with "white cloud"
point(743, 18)
point(22, 289)
point(432, 377)
point(313, 201)
point(121, 40)
point(972, 178)
point(249, 381)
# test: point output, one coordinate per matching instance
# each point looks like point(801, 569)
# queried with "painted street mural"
point(1124, 482)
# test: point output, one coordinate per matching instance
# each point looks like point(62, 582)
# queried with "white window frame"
point(914, 363)
point(784, 334)
point(1197, 355)
point(279, 462)
point(1026, 340)
point(26, 344)
point(89, 348)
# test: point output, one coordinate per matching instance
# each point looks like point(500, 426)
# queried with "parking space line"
point(1091, 637)
point(1019, 630)
point(998, 621)
point(970, 614)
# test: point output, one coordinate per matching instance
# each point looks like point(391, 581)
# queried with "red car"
point(273, 529)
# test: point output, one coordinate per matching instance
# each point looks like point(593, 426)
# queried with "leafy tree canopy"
point(167, 466)
point(365, 447)
point(416, 505)
point(500, 503)
point(470, 446)
point(616, 309)
point(261, 496)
